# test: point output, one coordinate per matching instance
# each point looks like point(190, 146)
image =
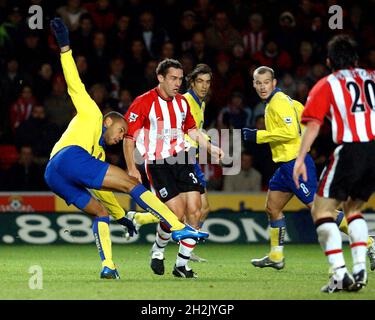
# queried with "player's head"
point(116, 127)
point(341, 53)
point(200, 80)
point(170, 76)
point(264, 81)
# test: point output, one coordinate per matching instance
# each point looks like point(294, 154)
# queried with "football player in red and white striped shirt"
point(157, 123)
point(347, 97)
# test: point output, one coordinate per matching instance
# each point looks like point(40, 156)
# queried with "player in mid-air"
point(347, 97)
point(77, 164)
point(283, 133)
point(157, 123)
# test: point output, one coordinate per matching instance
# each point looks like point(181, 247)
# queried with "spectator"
point(126, 100)
point(226, 80)
point(236, 115)
point(81, 39)
point(42, 82)
point(38, 133)
point(286, 34)
point(26, 174)
point(254, 35)
point(136, 63)
point(248, 180)
point(83, 70)
point(152, 36)
point(71, 12)
point(304, 60)
point(99, 94)
point(99, 57)
point(21, 109)
point(102, 14)
point(167, 51)
point(10, 86)
point(120, 37)
point(273, 57)
point(116, 77)
point(32, 53)
point(58, 106)
point(199, 51)
point(221, 36)
point(288, 85)
point(184, 35)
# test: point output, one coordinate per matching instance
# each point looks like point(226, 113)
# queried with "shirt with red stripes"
point(347, 98)
point(158, 124)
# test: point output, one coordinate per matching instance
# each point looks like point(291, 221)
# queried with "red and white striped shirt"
point(347, 97)
point(158, 125)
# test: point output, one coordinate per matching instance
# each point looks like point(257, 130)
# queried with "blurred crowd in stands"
point(117, 46)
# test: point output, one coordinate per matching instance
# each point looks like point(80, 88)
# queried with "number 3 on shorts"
point(192, 175)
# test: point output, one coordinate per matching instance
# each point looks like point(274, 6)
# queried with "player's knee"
point(129, 184)
point(272, 212)
point(102, 212)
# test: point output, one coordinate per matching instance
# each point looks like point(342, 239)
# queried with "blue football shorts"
point(71, 172)
point(282, 180)
point(200, 175)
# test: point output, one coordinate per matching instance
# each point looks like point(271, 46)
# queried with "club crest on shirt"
point(133, 117)
point(163, 192)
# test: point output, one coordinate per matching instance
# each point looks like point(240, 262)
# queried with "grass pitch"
point(72, 272)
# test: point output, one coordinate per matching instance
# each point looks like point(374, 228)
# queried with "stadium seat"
point(8, 156)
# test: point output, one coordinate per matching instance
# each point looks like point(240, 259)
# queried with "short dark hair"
point(164, 65)
point(200, 68)
point(263, 70)
point(114, 115)
point(342, 53)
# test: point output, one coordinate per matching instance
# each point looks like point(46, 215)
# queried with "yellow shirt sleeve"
point(76, 89)
point(110, 202)
point(284, 125)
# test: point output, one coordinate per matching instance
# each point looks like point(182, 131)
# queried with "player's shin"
point(163, 235)
point(358, 234)
point(330, 240)
point(101, 232)
point(277, 236)
point(184, 252)
point(151, 203)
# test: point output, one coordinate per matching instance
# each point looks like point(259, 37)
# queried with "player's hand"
point(249, 134)
point(61, 32)
point(298, 170)
point(216, 152)
point(136, 174)
point(129, 225)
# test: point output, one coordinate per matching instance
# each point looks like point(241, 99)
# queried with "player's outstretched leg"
point(118, 180)
point(101, 232)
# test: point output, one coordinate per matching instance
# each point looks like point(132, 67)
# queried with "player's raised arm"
point(76, 89)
